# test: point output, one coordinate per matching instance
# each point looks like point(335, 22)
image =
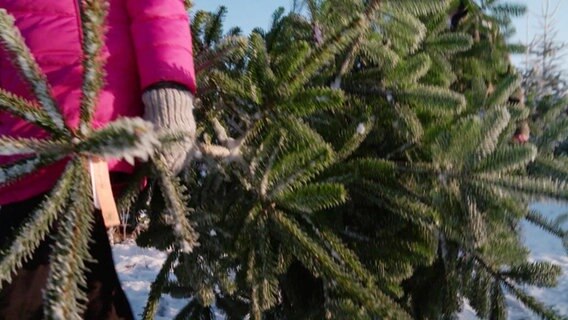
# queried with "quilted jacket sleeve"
point(162, 39)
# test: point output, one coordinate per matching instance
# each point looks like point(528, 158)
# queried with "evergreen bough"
point(66, 214)
point(359, 164)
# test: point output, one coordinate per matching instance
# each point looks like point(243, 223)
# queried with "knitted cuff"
point(169, 108)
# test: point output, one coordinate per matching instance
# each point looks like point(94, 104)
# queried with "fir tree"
point(358, 163)
point(544, 82)
point(543, 74)
point(70, 205)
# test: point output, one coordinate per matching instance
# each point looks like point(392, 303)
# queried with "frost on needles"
point(358, 163)
point(70, 202)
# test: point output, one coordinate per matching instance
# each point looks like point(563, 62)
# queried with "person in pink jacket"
point(149, 73)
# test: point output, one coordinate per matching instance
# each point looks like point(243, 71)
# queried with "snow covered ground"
point(138, 267)
point(548, 248)
point(543, 247)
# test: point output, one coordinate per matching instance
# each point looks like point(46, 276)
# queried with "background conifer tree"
point(69, 206)
point(544, 83)
point(544, 75)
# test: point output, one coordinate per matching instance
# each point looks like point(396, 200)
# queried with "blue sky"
point(535, 9)
point(248, 14)
point(529, 25)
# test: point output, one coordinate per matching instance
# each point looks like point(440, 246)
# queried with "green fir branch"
point(156, 289)
point(498, 309)
point(29, 111)
point(532, 187)
point(26, 146)
point(551, 226)
point(14, 171)
point(334, 44)
point(433, 100)
point(540, 274)
point(404, 30)
point(410, 70)
point(555, 133)
point(533, 304)
point(419, 8)
point(507, 159)
point(450, 43)
point(132, 190)
point(493, 123)
point(214, 56)
point(300, 244)
point(172, 192)
point(301, 163)
point(126, 138)
point(359, 135)
point(375, 52)
point(554, 168)
point(93, 16)
point(35, 229)
point(313, 197)
point(65, 293)
point(14, 43)
point(310, 100)
point(503, 90)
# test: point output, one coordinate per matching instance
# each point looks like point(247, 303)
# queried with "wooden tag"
point(102, 192)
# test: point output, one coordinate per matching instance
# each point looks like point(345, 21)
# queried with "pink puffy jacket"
point(148, 41)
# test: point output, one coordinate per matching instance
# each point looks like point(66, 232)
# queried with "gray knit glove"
point(171, 111)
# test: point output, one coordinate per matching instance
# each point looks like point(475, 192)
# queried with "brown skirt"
point(22, 298)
